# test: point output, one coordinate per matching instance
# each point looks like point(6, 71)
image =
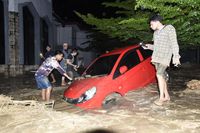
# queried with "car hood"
point(80, 86)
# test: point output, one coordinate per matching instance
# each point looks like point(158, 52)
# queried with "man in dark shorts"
point(164, 48)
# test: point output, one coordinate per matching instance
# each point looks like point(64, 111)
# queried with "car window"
point(130, 59)
point(145, 53)
point(102, 66)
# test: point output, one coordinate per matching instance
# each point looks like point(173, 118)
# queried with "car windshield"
point(102, 66)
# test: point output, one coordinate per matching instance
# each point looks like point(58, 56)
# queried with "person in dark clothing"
point(63, 63)
point(71, 62)
point(49, 53)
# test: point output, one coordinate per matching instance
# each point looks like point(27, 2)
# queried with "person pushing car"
point(44, 70)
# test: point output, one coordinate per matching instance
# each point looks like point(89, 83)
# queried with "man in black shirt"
point(71, 62)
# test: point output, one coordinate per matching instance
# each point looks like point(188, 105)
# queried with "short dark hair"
point(155, 17)
point(74, 50)
point(58, 52)
point(48, 46)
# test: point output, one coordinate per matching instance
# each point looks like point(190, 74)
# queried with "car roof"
point(120, 50)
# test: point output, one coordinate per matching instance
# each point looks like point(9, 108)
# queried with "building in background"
point(75, 37)
point(26, 27)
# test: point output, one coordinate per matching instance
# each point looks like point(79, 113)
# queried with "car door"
point(134, 76)
point(148, 66)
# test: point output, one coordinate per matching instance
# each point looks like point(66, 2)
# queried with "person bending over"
point(41, 75)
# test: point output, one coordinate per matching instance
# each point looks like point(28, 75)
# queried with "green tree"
point(125, 26)
point(132, 20)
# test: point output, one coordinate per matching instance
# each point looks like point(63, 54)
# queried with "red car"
point(111, 75)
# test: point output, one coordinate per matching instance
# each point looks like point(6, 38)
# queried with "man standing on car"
point(165, 48)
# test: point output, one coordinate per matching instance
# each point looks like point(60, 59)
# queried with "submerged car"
point(111, 75)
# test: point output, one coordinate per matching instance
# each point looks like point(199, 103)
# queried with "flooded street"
point(133, 113)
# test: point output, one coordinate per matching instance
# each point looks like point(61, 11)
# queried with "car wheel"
point(110, 100)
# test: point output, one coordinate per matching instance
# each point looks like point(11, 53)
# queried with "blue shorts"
point(42, 82)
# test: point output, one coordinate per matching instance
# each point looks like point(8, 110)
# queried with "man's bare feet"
point(63, 84)
point(54, 81)
point(167, 100)
point(158, 102)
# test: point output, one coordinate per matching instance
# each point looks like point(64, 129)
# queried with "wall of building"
point(87, 56)
point(75, 37)
point(14, 34)
point(13, 10)
point(64, 34)
point(43, 7)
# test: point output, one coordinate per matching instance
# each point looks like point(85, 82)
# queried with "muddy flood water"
point(133, 113)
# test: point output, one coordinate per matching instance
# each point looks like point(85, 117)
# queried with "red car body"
point(118, 71)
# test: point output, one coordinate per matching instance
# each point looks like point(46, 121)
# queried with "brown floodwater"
point(133, 113)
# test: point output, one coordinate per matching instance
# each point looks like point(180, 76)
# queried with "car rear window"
point(102, 66)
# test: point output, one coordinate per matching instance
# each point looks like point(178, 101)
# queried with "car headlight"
point(90, 93)
point(84, 97)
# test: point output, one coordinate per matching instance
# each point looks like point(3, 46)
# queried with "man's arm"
point(174, 46)
point(148, 46)
point(62, 71)
point(70, 63)
point(67, 76)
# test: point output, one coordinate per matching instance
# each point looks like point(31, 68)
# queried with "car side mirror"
point(123, 69)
